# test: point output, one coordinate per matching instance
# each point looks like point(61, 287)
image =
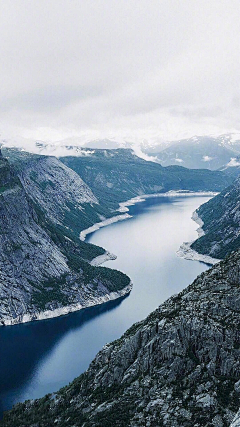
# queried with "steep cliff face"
point(118, 175)
point(221, 218)
point(59, 191)
point(179, 367)
point(54, 185)
point(43, 270)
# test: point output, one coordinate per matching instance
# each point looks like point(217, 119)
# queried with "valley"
point(56, 206)
point(120, 213)
point(55, 351)
point(45, 205)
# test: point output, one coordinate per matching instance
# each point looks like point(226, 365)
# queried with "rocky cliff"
point(44, 268)
point(59, 191)
point(221, 223)
point(236, 421)
point(179, 367)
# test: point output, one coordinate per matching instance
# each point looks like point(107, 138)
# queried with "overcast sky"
point(119, 69)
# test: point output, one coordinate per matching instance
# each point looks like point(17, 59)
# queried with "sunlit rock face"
point(236, 421)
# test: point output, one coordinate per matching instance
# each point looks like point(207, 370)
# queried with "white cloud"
point(123, 70)
point(207, 158)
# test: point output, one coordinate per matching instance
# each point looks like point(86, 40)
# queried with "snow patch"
point(57, 149)
point(139, 153)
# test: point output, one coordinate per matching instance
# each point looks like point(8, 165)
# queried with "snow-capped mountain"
point(79, 146)
point(200, 152)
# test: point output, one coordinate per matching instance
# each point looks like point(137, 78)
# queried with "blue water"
point(40, 357)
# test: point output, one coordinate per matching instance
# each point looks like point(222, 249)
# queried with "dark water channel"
point(40, 357)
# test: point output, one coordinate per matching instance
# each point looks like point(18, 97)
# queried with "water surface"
point(40, 357)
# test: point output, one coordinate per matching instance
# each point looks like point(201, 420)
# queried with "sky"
point(119, 69)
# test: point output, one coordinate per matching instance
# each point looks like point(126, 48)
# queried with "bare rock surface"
point(45, 270)
point(179, 367)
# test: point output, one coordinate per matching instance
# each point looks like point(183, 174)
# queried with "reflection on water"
point(40, 357)
point(25, 347)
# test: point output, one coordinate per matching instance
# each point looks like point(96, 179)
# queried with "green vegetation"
point(8, 179)
point(49, 292)
point(54, 290)
point(71, 246)
point(113, 279)
point(81, 219)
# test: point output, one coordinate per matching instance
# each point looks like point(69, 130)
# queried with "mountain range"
point(200, 152)
point(45, 268)
point(197, 152)
point(181, 365)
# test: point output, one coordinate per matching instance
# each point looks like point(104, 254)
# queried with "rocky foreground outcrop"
point(180, 367)
point(236, 421)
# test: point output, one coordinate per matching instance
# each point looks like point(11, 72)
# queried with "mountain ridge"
point(199, 152)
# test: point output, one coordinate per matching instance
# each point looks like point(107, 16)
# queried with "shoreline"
point(123, 207)
point(50, 314)
point(185, 251)
point(101, 224)
point(100, 259)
